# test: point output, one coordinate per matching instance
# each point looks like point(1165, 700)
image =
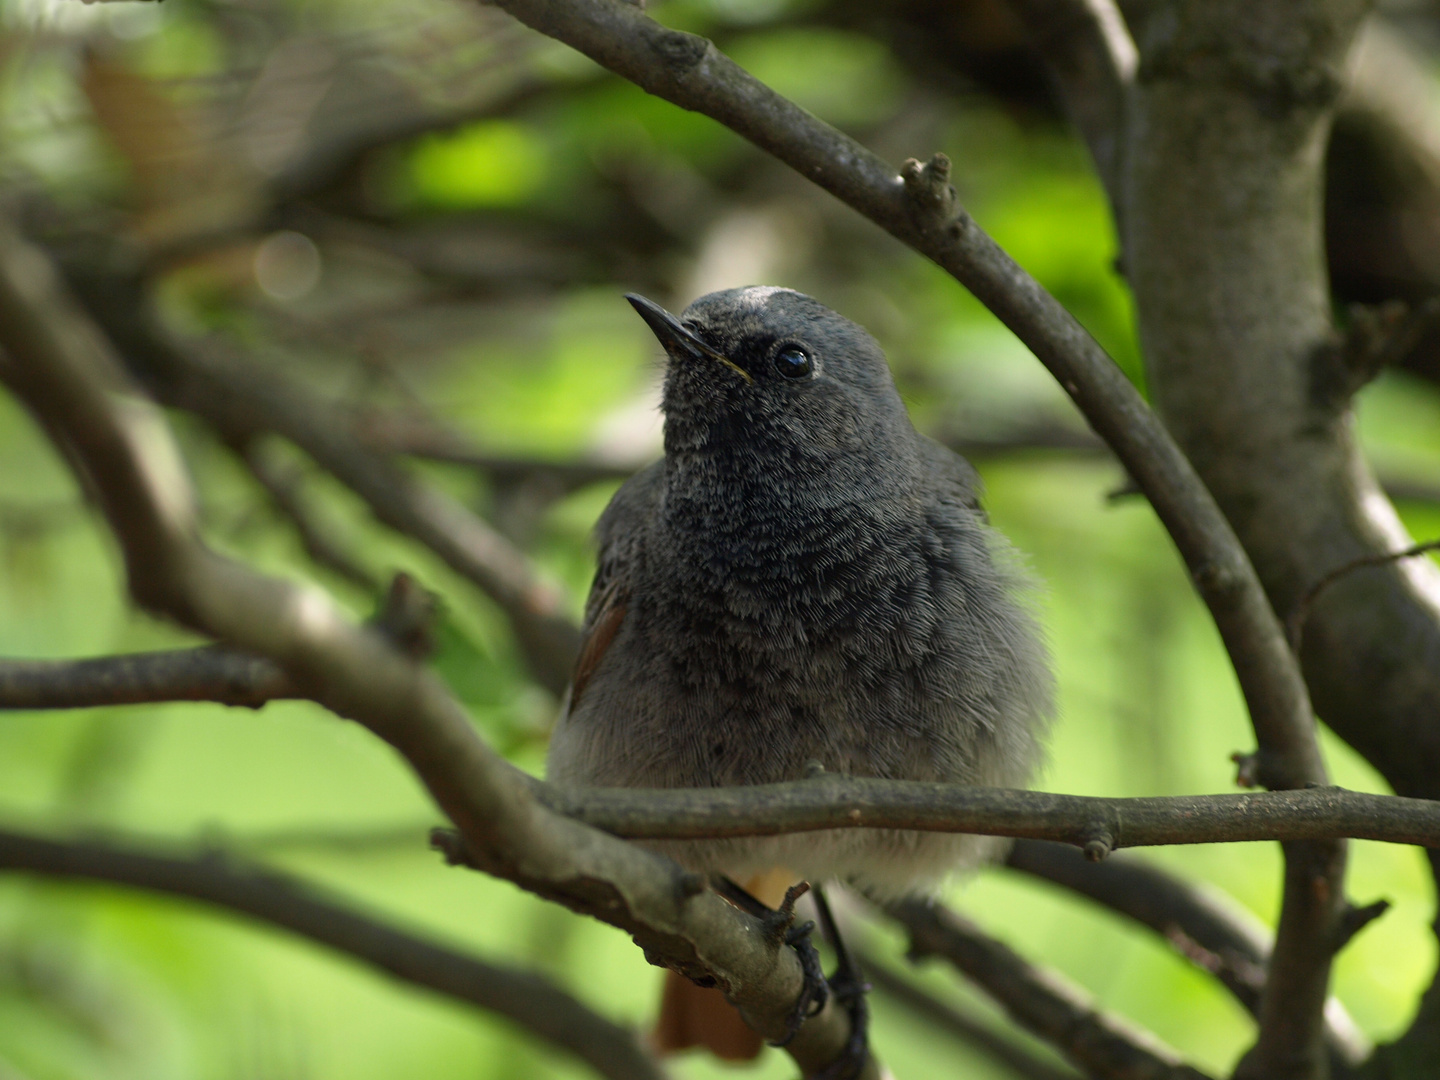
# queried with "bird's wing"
point(619, 534)
point(947, 466)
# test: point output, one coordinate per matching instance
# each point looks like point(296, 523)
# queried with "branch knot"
point(677, 49)
point(1098, 841)
point(930, 192)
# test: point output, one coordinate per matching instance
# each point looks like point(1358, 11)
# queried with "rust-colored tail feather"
point(693, 1015)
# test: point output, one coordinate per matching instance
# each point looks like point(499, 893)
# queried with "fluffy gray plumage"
point(803, 577)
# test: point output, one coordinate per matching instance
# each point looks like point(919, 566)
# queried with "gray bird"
point(803, 578)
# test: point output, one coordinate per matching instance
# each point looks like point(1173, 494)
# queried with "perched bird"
point(803, 578)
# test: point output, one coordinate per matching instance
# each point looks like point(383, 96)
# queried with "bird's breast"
point(813, 599)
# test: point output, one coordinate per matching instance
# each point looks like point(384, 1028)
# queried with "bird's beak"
point(678, 341)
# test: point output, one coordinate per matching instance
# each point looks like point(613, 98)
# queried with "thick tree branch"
point(529, 1000)
point(1228, 123)
point(64, 371)
point(1100, 1044)
point(208, 673)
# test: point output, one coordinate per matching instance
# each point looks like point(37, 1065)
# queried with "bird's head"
point(772, 378)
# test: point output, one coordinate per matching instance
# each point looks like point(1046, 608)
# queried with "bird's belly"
point(659, 723)
point(664, 730)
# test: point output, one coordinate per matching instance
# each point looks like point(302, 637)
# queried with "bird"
point(802, 582)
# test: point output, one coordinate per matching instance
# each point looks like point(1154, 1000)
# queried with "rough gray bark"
point(1228, 122)
point(206, 673)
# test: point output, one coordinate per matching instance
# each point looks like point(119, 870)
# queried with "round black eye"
point(793, 362)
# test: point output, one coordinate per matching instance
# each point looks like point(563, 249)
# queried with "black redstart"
point(803, 578)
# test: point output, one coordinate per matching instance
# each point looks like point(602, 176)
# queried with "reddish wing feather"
point(599, 633)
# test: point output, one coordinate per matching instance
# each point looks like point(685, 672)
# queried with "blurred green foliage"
point(98, 982)
point(487, 163)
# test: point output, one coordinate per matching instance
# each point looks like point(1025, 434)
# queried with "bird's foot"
point(846, 985)
point(814, 990)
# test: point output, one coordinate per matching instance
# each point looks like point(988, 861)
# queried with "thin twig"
point(972, 1032)
point(828, 801)
point(1096, 825)
point(207, 673)
point(1295, 623)
point(1040, 1001)
point(283, 489)
point(527, 999)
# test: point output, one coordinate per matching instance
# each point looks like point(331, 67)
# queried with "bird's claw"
point(814, 991)
point(846, 986)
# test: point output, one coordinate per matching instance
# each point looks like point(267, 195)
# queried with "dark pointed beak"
point(679, 342)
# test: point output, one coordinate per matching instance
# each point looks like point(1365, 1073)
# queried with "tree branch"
point(972, 1032)
point(208, 673)
point(1096, 825)
point(830, 801)
point(530, 1001)
point(1224, 245)
point(1207, 933)
point(1092, 60)
point(64, 371)
point(1039, 1001)
point(245, 400)
point(283, 489)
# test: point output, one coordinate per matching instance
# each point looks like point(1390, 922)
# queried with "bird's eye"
point(793, 362)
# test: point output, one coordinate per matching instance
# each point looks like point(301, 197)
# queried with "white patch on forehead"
point(756, 297)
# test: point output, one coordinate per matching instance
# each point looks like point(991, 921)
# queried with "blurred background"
point(419, 219)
